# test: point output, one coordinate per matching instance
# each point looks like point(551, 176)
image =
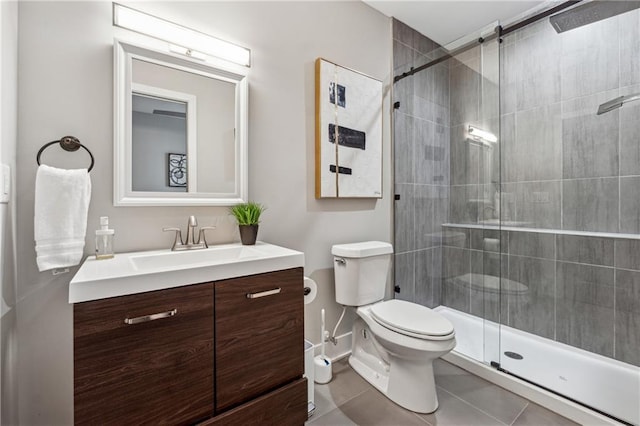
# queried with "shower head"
point(617, 103)
point(590, 12)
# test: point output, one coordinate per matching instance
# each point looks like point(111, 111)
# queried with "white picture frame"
point(348, 133)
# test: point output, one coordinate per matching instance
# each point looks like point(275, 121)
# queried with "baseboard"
point(549, 400)
point(338, 351)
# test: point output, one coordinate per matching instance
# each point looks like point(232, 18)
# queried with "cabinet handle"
point(263, 293)
point(153, 317)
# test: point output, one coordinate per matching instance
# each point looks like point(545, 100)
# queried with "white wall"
point(65, 87)
point(8, 138)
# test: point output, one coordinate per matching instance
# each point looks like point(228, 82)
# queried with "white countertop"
point(138, 272)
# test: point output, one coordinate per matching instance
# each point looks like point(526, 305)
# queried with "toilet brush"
point(322, 363)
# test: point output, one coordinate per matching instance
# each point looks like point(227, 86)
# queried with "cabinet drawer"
point(259, 341)
point(286, 406)
point(156, 370)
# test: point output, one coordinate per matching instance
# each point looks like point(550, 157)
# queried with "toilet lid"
point(411, 317)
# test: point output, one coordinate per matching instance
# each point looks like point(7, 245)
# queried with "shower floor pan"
point(608, 385)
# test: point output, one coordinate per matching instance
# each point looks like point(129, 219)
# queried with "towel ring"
point(70, 144)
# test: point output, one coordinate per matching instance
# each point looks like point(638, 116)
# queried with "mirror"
point(180, 130)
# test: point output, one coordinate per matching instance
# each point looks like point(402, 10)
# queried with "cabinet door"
point(259, 335)
point(151, 371)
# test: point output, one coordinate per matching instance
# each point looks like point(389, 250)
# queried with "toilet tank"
point(361, 271)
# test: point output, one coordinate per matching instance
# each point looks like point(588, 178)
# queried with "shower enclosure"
point(517, 181)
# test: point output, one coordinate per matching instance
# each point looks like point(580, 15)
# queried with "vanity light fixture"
point(182, 40)
point(482, 135)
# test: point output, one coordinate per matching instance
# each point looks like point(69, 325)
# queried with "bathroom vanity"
point(228, 350)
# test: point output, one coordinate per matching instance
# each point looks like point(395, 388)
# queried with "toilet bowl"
point(394, 342)
point(396, 360)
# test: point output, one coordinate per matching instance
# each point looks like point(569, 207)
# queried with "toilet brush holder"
point(323, 369)
point(321, 363)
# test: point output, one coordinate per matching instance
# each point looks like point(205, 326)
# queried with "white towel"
point(60, 219)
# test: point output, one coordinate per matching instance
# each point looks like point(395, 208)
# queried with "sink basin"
point(138, 272)
point(179, 259)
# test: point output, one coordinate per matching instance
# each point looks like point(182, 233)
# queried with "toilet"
point(394, 342)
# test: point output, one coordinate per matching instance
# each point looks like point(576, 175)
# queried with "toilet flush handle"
point(340, 260)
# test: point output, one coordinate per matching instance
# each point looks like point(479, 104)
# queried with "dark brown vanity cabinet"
point(284, 406)
point(133, 368)
point(259, 335)
point(223, 353)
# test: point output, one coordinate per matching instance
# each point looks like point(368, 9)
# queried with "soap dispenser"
point(104, 240)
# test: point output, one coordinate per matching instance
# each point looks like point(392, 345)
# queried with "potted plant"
point(248, 217)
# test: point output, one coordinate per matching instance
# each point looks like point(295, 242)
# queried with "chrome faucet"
point(191, 226)
point(191, 243)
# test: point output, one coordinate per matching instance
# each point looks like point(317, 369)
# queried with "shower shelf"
point(544, 231)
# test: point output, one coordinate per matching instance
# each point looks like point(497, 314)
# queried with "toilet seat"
point(412, 320)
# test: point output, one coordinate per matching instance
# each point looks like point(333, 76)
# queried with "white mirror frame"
point(123, 195)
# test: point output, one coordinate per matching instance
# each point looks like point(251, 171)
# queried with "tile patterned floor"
point(465, 400)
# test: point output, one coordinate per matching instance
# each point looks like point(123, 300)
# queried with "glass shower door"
point(472, 266)
point(447, 183)
point(570, 179)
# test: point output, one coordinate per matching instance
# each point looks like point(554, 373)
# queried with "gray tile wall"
point(563, 166)
point(474, 100)
point(559, 166)
point(422, 157)
point(580, 290)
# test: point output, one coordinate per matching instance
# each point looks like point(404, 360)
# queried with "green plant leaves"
point(247, 213)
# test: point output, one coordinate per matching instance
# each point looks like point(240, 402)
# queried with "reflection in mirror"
point(158, 143)
point(180, 131)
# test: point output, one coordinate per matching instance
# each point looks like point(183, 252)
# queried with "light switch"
point(5, 185)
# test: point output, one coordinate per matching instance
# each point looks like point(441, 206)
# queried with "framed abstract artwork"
point(348, 133)
point(177, 170)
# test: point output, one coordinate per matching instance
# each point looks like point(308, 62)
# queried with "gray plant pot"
point(248, 234)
